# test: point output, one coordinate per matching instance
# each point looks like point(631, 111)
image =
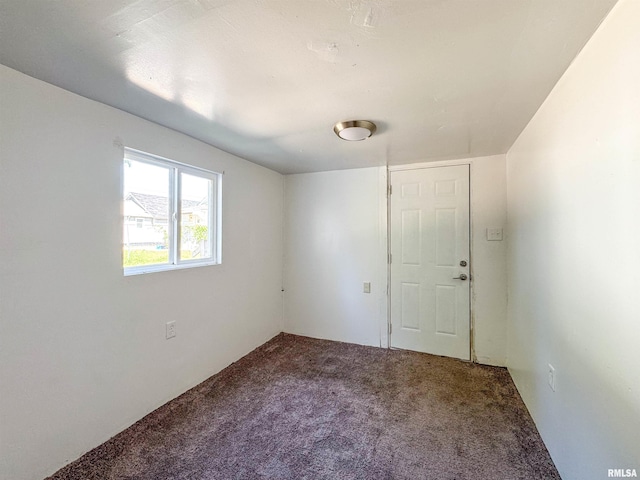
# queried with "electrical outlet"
point(367, 287)
point(494, 234)
point(551, 378)
point(171, 329)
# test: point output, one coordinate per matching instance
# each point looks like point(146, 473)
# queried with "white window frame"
point(175, 213)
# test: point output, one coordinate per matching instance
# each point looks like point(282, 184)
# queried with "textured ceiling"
point(266, 80)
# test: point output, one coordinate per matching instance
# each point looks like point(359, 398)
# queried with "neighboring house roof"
point(156, 205)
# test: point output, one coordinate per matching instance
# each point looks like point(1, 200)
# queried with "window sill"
point(130, 271)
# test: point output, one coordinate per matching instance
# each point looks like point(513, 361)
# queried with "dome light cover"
point(354, 130)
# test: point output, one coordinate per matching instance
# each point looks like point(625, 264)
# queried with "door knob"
point(461, 277)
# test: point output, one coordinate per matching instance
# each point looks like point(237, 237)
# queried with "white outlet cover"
point(494, 234)
point(552, 377)
point(171, 329)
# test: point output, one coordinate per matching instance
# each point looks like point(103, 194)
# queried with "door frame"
point(385, 182)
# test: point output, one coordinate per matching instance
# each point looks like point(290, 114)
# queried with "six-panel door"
point(429, 244)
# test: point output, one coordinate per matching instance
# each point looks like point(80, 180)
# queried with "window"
point(171, 214)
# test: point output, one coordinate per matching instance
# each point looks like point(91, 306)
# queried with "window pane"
point(195, 228)
point(146, 214)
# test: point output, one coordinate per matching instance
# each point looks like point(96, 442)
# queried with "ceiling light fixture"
point(354, 130)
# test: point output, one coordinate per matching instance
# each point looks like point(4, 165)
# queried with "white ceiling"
point(267, 79)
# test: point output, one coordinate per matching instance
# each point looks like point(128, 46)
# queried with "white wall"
point(82, 348)
point(335, 239)
point(334, 242)
point(574, 256)
point(489, 260)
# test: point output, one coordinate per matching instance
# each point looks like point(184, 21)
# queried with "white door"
point(429, 247)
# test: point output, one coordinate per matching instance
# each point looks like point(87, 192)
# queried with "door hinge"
point(390, 258)
point(390, 328)
point(390, 189)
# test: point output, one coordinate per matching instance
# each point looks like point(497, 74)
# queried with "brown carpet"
point(299, 408)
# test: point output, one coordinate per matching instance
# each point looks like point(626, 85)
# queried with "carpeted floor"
point(299, 408)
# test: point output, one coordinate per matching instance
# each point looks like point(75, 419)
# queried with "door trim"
point(385, 341)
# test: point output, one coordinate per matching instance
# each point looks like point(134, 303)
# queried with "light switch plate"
point(367, 287)
point(494, 234)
